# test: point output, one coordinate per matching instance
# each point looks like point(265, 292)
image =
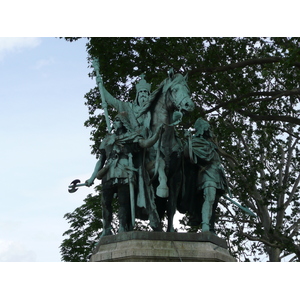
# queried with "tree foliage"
point(248, 89)
point(86, 224)
point(86, 227)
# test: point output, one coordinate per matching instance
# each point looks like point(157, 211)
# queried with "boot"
point(205, 227)
point(106, 231)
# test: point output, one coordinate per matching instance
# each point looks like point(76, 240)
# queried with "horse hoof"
point(105, 233)
point(157, 229)
point(162, 192)
point(205, 227)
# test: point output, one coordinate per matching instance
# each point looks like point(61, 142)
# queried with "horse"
point(168, 102)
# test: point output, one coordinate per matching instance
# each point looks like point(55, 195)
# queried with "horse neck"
point(161, 113)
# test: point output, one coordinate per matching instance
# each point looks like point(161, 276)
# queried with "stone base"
point(142, 246)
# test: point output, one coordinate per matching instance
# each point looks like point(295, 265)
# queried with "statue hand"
point(99, 80)
point(89, 182)
point(161, 129)
point(187, 133)
point(96, 63)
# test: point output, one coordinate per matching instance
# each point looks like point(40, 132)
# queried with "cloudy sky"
point(44, 144)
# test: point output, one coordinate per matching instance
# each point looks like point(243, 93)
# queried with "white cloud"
point(15, 252)
point(43, 62)
point(15, 44)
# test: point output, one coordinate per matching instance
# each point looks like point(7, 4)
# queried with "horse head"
point(177, 90)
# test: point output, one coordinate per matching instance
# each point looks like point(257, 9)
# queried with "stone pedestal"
point(141, 246)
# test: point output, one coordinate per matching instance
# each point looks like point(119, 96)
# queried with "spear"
point(96, 66)
point(245, 209)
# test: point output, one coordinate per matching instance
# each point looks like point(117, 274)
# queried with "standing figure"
point(118, 173)
point(205, 177)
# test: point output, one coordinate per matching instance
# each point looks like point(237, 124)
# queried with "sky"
point(44, 144)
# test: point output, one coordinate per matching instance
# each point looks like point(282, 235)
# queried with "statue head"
point(202, 128)
point(121, 121)
point(142, 91)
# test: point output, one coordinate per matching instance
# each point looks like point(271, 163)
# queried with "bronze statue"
point(205, 178)
point(141, 160)
point(163, 107)
point(164, 164)
point(118, 170)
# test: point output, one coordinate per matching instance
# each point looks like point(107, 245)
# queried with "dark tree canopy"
point(248, 89)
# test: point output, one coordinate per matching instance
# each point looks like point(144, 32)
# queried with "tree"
point(86, 224)
point(248, 89)
point(86, 227)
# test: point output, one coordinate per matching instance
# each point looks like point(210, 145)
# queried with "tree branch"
point(290, 199)
point(266, 242)
point(242, 64)
point(272, 96)
point(255, 117)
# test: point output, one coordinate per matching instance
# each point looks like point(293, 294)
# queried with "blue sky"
point(44, 144)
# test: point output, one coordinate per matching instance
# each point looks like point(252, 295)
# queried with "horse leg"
point(175, 186)
point(171, 207)
point(213, 216)
point(124, 208)
point(107, 197)
point(171, 210)
point(209, 199)
point(162, 190)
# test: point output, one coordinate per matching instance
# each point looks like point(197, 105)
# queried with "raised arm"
point(110, 100)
